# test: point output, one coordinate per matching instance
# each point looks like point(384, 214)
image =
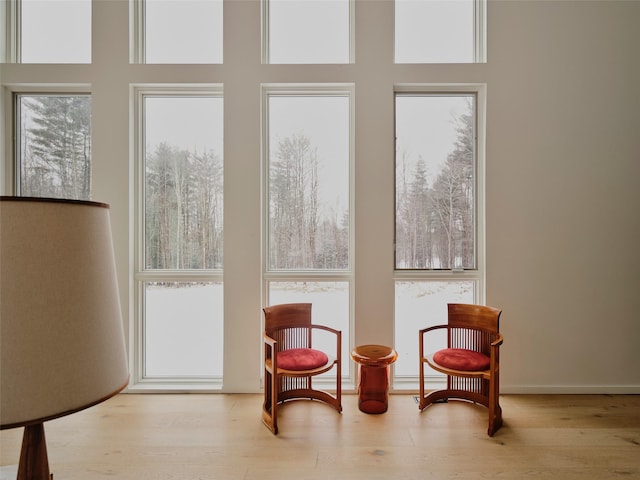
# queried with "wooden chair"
point(290, 362)
point(471, 360)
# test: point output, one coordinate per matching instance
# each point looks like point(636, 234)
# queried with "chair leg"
point(493, 405)
point(339, 388)
point(495, 411)
point(440, 396)
point(421, 382)
point(495, 420)
point(270, 406)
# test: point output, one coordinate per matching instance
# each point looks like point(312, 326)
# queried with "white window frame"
point(11, 93)
point(480, 31)
point(138, 382)
point(478, 274)
point(136, 31)
point(9, 41)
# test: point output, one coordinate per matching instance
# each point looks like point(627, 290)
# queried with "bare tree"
point(183, 209)
point(294, 204)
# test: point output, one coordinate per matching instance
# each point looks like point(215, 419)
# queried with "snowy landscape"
point(184, 325)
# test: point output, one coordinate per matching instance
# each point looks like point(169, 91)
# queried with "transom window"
point(307, 31)
point(440, 31)
point(185, 31)
point(53, 31)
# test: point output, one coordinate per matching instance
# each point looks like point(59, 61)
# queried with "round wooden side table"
point(373, 373)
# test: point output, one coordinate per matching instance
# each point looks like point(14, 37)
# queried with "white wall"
point(563, 161)
point(563, 203)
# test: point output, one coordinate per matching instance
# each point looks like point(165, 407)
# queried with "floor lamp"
point(61, 338)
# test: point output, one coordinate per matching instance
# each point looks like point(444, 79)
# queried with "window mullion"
point(10, 40)
point(480, 31)
point(136, 31)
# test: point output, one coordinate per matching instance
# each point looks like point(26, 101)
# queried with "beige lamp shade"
point(61, 337)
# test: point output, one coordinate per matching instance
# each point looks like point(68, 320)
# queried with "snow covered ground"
point(184, 328)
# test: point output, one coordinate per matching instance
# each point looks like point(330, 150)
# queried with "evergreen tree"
point(435, 224)
point(56, 153)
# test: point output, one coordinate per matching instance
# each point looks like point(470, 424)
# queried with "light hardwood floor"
point(185, 437)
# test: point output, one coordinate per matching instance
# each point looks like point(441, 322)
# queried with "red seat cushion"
point(301, 359)
point(462, 359)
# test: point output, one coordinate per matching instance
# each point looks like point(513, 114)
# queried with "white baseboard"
point(411, 385)
point(570, 389)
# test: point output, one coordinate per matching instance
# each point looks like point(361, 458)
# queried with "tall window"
point(440, 31)
point(438, 248)
point(180, 247)
point(307, 31)
point(185, 31)
point(53, 147)
point(308, 224)
point(54, 31)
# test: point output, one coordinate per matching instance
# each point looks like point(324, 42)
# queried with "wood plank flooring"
point(221, 436)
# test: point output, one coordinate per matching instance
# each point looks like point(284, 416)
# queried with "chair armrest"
point(434, 327)
point(338, 334)
point(494, 353)
point(328, 329)
point(270, 351)
point(494, 350)
point(268, 340)
point(421, 333)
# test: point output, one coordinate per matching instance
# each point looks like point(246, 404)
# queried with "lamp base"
point(34, 463)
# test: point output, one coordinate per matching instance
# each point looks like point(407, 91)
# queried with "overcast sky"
point(190, 31)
